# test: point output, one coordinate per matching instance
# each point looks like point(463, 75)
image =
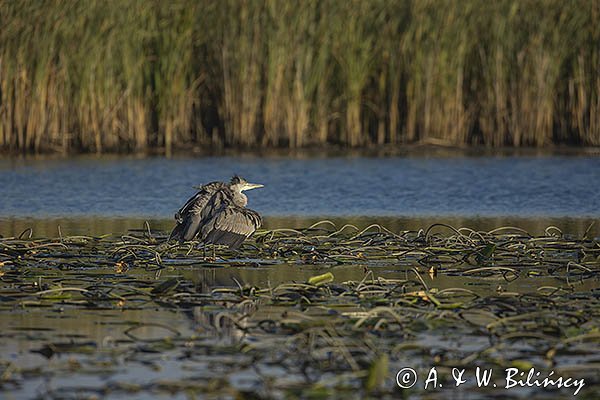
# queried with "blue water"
point(550, 186)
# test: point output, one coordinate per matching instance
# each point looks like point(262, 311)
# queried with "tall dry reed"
point(133, 75)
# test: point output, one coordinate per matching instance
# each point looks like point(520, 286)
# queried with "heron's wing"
point(197, 202)
point(189, 217)
point(231, 226)
point(219, 200)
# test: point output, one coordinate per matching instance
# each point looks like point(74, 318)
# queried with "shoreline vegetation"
point(151, 76)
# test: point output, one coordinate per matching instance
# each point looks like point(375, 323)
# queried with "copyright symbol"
point(406, 378)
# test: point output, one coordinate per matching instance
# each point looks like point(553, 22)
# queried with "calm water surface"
point(112, 195)
point(550, 186)
point(112, 358)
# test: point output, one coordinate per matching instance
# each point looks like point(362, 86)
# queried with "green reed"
point(105, 76)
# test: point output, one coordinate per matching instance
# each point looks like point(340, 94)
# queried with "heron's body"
point(217, 214)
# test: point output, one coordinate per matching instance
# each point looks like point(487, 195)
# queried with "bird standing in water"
point(217, 214)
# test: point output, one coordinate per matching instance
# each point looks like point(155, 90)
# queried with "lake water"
point(88, 195)
point(93, 195)
point(550, 186)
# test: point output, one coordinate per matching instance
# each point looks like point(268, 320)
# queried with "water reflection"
point(208, 279)
point(49, 227)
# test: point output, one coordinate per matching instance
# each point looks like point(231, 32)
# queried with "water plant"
point(114, 304)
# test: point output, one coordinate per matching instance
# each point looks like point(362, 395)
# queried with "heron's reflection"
point(222, 319)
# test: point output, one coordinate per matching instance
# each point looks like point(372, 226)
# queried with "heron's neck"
point(239, 198)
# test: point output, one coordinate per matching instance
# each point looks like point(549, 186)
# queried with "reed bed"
point(317, 338)
point(128, 76)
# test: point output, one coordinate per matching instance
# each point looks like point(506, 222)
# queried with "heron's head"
point(241, 184)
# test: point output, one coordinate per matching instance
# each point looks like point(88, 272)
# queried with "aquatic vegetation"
point(132, 75)
point(519, 301)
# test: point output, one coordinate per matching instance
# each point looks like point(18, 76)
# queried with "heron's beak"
point(248, 186)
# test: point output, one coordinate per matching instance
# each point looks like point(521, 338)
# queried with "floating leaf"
point(318, 280)
point(378, 372)
point(485, 253)
point(522, 365)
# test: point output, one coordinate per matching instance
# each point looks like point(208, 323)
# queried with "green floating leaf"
point(485, 253)
point(318, 280)
point(488, 250)
point(318, 391)
point(522, 365)
point(56, 296)
point(378, 371)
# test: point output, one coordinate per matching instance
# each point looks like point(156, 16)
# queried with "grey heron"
point(217, 214)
